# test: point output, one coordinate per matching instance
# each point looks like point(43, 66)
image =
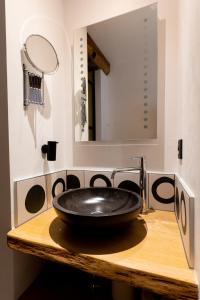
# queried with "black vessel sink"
point(97, 207)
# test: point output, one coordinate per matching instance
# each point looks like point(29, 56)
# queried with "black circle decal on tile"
point(100, 176)
point(35, 199)
point(73, 182)
point(183, 211)
point(155, 186)
point(177, 203)
point(58, 181)
point(129, 185)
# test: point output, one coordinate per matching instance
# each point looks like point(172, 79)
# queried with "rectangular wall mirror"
point(115, 78)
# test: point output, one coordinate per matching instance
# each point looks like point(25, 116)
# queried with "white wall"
point(189, 105)
point(6, 278)
point(179, 46)
point(160, 153)
point(30, 129)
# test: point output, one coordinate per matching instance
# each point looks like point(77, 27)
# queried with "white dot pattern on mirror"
point(80, 84)
point(145, 72)
point(83, 117)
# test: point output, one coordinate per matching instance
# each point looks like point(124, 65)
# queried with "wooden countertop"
point(149, 254)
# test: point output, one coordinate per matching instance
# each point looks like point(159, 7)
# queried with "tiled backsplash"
point(127, 180)
point(31, 199)
point(75, 179)
point(184, 210)
point(164, 192)
point(98, 179)
point(161, 191)
point(55, 183)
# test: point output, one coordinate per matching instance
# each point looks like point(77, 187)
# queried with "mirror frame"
point(31, 62)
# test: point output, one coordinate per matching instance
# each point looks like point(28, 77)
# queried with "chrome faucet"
point(141, 168)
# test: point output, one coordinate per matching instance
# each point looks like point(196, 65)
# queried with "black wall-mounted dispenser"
point(50, 150)
point(180, 149)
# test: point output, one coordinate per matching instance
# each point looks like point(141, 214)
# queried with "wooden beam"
point(96, 58)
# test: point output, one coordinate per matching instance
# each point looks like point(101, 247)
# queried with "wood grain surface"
point(148, 254)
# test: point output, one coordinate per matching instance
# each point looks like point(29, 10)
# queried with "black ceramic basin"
point(97, 207)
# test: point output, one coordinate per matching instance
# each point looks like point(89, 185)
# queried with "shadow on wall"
point(44, 110)
point(32, 109)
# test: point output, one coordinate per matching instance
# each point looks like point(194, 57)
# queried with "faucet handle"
point(140, 159)
point(134, 157)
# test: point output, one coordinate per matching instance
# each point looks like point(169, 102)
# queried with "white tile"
point(30, 199)
point(161, 191)
point(185, 217)
point(178, 189)
point(75, 179)
point(55, 184)
point(98, 179)
point(128, 180)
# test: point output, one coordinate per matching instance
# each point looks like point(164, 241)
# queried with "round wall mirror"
point(41, 54)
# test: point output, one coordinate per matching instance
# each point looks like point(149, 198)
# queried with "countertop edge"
point(159, 284)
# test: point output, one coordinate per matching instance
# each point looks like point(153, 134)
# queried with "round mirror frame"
point(32, 63)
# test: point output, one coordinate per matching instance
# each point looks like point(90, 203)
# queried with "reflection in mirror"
point(118, 59)
point(41, 54)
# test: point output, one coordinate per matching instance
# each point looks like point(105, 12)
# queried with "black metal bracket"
point(180, 149)
point(50, 150)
